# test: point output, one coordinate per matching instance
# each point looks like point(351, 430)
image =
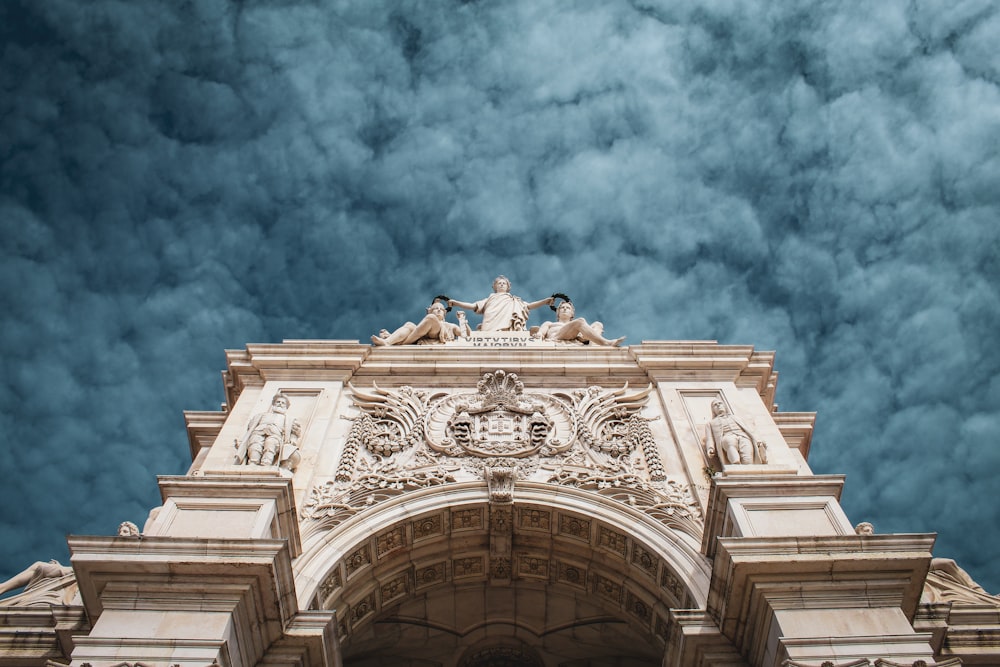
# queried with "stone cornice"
point(796, 428)
point(251, 580)
point(563, 365)
point(203, 427)
point(293, 359)
point(752, 577)
point(252, 484)
point(673, 361)
point(169, 561)
point(440, 365)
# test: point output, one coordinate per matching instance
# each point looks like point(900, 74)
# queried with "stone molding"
point(729, 490)
point(707, 361)
point(322, 551)
point(754, 577)
point(250, 580)
point(315, 360)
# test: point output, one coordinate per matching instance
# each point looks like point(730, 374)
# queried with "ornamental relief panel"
point(593, 439)
point(499, 420)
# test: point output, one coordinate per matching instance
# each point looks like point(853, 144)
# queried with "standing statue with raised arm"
point(567, 329)
point(432, 329)
point(502, 311)
point(735, 442)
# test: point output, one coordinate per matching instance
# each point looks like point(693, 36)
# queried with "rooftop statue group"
point(501, 311)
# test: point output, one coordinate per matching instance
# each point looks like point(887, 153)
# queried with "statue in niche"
point(567, 329)
point(735, 443)
point(33, 575)
point(502, 311)
point(272, 437)
point(949, 570)
point(432, 329)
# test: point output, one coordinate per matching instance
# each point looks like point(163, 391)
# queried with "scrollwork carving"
point(608, 418)
point(391, 419)
point(335, 501)
point(670, 502)
point(594, 439)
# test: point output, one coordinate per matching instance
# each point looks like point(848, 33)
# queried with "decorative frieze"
point(531, 518)
point(608, 589)
point(611, 540)
point(593, 439)
point(394, 422)
point(500, 420)
point(500, 568)
point(330, 584)
point(394, 589)
point(533, 567)
point(671, 583)
point(467, 519)
point(429, 526)
point(605, 418)
point(428, 575)
point(637, 607)
point(501, 519)
point(470, 566)
point(661, 628)
point(359, 558)
point(571, 574)
point(646, 561)
point(575, 527)
point(363, 608)
point(390, 541)
point(879, 662)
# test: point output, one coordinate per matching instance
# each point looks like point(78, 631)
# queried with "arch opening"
point(570, 586)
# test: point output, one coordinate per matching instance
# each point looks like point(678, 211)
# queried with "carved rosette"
point(500, 420)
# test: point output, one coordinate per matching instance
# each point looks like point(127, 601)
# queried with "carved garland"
point(345, 469)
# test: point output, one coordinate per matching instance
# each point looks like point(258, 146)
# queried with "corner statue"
point(432, 329)
point(502, 311)
point(735, 442)
point(272, 437)
point(32, 576)
point(567, 329)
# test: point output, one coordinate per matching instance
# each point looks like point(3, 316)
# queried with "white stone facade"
point(500, 500)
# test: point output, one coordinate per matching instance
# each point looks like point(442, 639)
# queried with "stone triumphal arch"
point(450, 497)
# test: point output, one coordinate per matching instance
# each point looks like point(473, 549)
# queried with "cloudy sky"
point(817, 178)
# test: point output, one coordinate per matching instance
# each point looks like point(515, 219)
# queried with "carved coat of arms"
point(500, 420)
